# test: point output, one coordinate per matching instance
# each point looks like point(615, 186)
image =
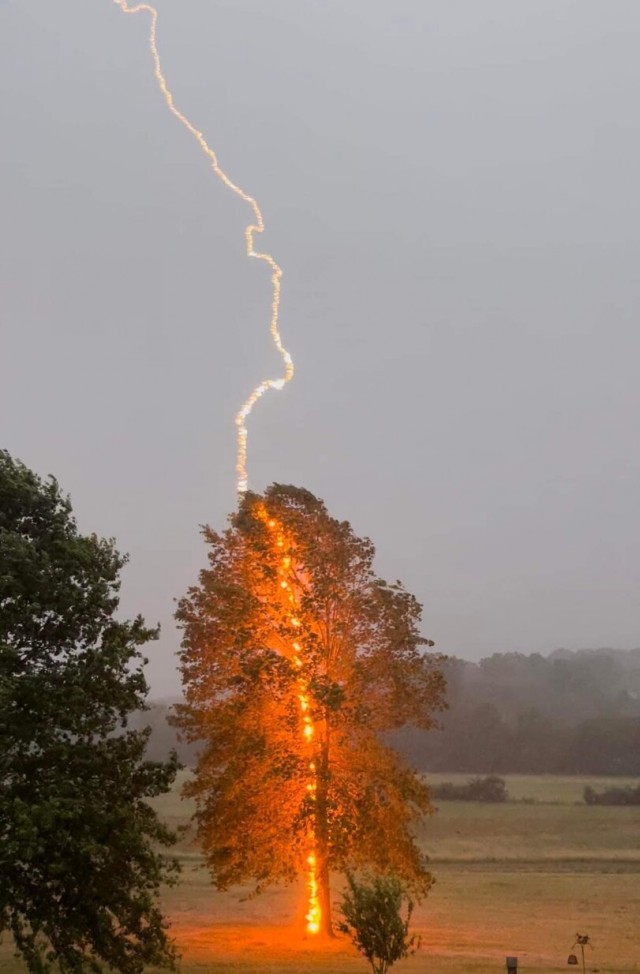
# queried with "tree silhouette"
point(80, 860)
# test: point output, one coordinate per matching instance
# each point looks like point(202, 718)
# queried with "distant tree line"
point(488, 789)
point(568, 713)
point(163, 736)
point(612, 796)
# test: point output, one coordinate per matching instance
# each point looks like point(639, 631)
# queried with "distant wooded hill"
point(567, 713)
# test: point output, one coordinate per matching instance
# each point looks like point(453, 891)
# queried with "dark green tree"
point(80, 868)
point(297, 663)
point(373, 919)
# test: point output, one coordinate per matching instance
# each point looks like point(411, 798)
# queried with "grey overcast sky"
point(452, 190)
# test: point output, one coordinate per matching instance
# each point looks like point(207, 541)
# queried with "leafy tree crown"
point(366, 672)
point(78, 840)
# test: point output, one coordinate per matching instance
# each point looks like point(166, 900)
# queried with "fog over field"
point(452, 192)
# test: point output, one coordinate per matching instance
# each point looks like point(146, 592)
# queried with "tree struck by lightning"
point(296, 661)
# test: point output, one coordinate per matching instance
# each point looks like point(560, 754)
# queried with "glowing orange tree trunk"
point(322, 843)
point(290, 576)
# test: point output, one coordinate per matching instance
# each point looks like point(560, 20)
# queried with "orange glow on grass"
point(256, 226)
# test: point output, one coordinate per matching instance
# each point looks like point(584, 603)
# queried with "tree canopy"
point(79, 865)
point(297, 660)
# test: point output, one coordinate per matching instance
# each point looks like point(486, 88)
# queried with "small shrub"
point(373, 919)
point(612, 796)
point(489, 789)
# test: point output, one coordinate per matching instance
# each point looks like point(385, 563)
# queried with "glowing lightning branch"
point(314, 912)
point(256, 227)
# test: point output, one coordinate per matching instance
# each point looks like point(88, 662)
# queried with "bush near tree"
point(80, 866)
point(372, 913)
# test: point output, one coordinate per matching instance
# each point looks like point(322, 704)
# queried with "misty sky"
point(452, 190)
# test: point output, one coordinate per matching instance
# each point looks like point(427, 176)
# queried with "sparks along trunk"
point(318, 914)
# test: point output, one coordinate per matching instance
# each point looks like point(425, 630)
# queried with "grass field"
point(517, 878)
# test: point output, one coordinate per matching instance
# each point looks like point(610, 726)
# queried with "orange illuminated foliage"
point(296, 659)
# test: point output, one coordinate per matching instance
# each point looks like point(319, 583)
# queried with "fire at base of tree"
point(296, 659)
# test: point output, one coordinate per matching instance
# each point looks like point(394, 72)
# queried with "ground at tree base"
point(474, 917)
point(513, 879)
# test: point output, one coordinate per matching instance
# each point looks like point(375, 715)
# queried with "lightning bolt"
point(256, 226)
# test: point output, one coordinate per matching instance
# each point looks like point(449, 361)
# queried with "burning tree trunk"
point(322, 840)
point(326, 924)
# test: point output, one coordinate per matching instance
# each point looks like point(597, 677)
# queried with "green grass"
point(545, 834)
point(510, 879)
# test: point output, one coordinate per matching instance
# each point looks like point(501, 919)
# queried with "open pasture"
point(516, 878)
